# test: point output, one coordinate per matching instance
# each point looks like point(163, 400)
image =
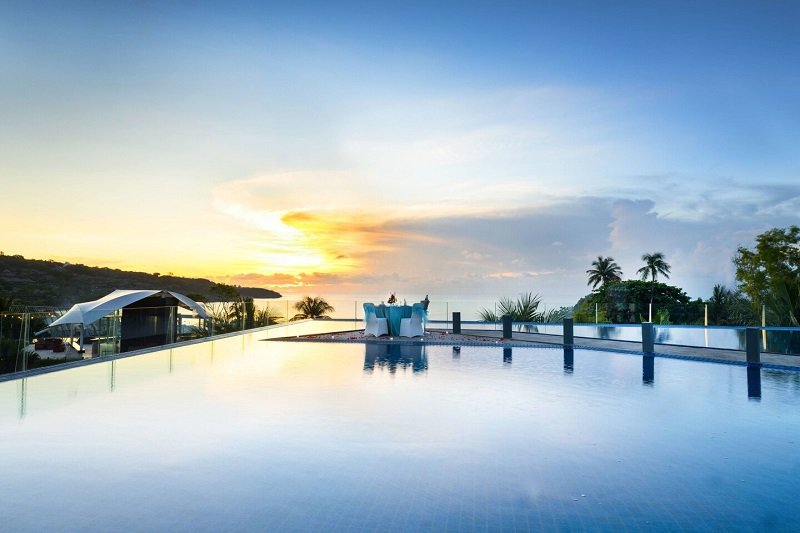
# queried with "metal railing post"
point(456, 322)
point(507, 333)
point(648, 337)
point(753, 345)
point(568, 337)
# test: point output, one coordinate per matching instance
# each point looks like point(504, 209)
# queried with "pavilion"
point(136, 318)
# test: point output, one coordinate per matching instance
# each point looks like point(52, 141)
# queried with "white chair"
point(414, 326)
point(372, 324)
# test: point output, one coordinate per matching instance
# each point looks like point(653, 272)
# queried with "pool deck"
point(481, 337)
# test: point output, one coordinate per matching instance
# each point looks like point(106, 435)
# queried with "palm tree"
point(266, 317)
point(315, 307)
point(654, 264)
point(605, 271)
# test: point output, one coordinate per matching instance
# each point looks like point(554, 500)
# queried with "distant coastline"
point(58, 284)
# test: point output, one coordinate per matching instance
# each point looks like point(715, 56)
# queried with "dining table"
point(393, 314)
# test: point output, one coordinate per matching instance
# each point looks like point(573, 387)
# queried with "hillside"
point(36, 282)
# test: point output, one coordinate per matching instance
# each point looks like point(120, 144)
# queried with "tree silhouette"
point(315, 307)
point(605, 271)
point(654, 264)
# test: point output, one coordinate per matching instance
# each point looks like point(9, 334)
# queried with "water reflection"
point(778, 340)
point(786, 380)
point(604, 332)
point(754, 382)
point(22, 391)
point(782, 341)
point(112, 375)
point(648, 369)
point(569, 360)
point(507, 356)
point(392, 356)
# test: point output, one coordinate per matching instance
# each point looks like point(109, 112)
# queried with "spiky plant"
point(488, 315)
point(551, 316)
point(527, 308)
point(524, 309)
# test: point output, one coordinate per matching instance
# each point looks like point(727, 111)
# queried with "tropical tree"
point(315, 307)
point(654, 264)
point(729, 307)
point(605, 270)
point(266, 317)
point(770, 273)
point(718, 303)
point(625, 302)
point(221, 292)
point(228, 317)
point(784, 302)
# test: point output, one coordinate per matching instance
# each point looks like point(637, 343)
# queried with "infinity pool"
point(245, 434)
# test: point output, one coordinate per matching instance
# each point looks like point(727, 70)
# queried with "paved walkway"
point(683, 352)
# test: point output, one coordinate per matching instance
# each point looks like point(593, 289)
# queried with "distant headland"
point(54, 283)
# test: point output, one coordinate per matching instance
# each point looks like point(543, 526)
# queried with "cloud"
point(707, 198)
point(524, 274)
point(495, 191)
point(475, 256)
point(545, 250)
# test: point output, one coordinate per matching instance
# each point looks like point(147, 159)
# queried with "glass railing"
point(26, 341)
point(700, 324)
point(350, 308)
point(32, 339)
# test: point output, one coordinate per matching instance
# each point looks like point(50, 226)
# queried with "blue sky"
point(461, 148)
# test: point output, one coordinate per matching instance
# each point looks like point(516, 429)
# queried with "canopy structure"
point(88, 312)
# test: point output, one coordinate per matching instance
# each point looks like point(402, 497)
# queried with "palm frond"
point(488, 315)
point(557, 314)
point(527, 306)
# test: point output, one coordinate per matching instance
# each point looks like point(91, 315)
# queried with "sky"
point(457, 149)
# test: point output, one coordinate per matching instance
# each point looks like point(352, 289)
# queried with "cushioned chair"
point(414, 326)
point(372, 324)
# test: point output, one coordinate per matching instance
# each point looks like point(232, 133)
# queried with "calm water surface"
point(245, 434)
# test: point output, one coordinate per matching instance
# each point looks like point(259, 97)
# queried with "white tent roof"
point(87, 312)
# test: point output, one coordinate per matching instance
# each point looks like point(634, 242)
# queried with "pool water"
point(246, 434)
